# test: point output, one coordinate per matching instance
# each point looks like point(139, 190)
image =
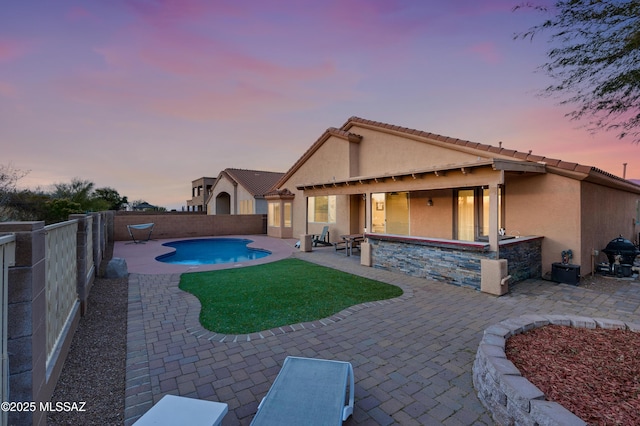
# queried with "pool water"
point(210, 251)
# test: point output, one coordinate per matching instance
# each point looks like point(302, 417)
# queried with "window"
point(274, 214)
point(322, 209)
point(287, 215)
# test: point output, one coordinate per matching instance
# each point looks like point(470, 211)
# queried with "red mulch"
point(594, 373)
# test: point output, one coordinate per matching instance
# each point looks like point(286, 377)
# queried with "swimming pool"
point(210, 251)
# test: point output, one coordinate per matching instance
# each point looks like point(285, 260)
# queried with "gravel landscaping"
point(94, 371)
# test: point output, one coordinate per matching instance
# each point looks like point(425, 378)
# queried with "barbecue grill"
point(623, 248)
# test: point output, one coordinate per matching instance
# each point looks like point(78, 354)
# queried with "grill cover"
point(624, 248)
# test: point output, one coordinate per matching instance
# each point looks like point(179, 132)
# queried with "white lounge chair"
point(308, 391)
point(174, 410)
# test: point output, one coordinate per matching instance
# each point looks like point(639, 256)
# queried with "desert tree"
point(9, 177)
point(594, 61)
point(110, 198)
point(78, 191)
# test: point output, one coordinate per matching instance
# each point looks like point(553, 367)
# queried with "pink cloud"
point(165, 13)
point(79, 13)
point(218, 97)
point(175, 70)
point(7, 90)
point(12, 49)
point(242, 101)
point(550, 134)
point(488, 52)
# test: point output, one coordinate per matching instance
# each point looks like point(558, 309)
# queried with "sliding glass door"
point(466, 215)
point(472, 213)
point(390, 213)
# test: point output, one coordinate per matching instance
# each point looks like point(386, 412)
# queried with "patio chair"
point(308, 391)
point(142, 226)
point(322, 239)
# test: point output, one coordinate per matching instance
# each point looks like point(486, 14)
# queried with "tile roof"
point(563, 165)
point(256, 182)
point(560, 165)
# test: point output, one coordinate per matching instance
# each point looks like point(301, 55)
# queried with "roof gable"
point(256, 182)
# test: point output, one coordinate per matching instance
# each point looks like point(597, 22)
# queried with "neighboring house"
point(200, 191)
point(435, 207)
point(239, 191)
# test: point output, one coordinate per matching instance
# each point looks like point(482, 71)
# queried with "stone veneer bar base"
point(511, 398)
point(452, 261)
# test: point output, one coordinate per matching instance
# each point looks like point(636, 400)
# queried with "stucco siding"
point(382, 153)
point(599, 224)
point(547, 205)
point(434, 221)
point(329, 161)
point(244, 195)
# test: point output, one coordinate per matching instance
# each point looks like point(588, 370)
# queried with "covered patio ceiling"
point(494, 164)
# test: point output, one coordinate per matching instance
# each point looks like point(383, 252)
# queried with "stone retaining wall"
point(511, 398)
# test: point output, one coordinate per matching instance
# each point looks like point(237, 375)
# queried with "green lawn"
point(290, 291)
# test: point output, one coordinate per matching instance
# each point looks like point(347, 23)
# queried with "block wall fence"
point(189, 225)
point(48, 281)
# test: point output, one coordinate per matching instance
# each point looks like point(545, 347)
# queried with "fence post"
point(98, 243)
point(7, 259)
point(26, 342)
point(86, 268)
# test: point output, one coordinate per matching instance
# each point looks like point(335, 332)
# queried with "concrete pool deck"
point(141, 258)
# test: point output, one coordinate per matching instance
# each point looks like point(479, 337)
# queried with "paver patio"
point(412, 356)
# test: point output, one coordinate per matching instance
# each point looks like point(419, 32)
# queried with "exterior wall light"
point(430, 202)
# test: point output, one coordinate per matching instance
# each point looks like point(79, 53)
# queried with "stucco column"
point(367, 212)
point(306, 215)
point(493, 219)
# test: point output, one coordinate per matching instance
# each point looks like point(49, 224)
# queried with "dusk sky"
point(145, 96)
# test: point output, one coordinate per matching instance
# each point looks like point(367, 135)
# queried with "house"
point(239, 191)
point(200, 191)
point(436, 207)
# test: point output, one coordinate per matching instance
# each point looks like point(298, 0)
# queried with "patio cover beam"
point(495, 164)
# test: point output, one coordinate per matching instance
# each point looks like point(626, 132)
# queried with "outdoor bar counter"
point(454, 261)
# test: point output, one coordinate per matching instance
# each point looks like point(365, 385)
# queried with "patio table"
point(352, 241)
